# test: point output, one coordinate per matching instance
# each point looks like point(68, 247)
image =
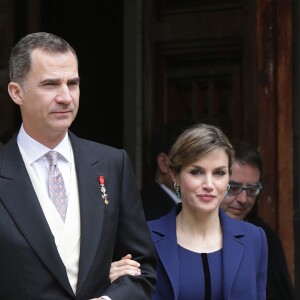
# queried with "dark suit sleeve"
point(133, 237)
point(279, 285)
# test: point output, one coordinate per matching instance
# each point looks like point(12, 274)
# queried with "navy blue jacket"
point(244, 258)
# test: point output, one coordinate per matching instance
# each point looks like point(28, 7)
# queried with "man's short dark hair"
point(247, 153)
point(165, 136)
point(20, 58)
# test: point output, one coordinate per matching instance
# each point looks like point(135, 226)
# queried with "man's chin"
point(62, 125)
point(235, 214)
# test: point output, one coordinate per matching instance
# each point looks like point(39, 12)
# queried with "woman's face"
point(203, 184)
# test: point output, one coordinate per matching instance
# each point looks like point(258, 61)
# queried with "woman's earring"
point(228, 187)
point(177, 190)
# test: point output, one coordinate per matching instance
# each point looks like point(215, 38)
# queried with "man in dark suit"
point(240, 204)
point(59, 245)
point(159, 197)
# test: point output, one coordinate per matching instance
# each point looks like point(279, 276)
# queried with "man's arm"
point(133, 237)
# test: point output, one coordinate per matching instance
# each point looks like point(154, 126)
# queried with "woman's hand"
point(125, 266)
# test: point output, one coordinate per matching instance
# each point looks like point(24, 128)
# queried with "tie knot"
point(52, 157)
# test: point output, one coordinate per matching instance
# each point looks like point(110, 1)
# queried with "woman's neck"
point(199, 233)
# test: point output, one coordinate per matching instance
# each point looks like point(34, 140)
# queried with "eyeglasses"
point(252, 190)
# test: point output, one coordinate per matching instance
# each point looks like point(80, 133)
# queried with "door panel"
point(199, 67)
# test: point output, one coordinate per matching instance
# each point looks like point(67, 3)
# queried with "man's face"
point(239, 205)
point(50, 95)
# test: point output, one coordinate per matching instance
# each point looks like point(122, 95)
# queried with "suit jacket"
point(156, 202)
point(279, 285)
point(244, 258)
point(30, 266)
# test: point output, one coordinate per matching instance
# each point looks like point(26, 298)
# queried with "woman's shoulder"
point(240, 227)
point(165, 225)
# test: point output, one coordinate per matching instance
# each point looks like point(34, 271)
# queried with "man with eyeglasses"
point(239, 203)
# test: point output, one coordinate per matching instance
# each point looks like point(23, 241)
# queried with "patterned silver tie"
point(56, 186)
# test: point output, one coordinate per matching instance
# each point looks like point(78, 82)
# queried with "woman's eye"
point(196, 172)
point(220, 173)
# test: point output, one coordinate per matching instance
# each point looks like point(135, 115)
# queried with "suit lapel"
point(233, 251)
point(91, 211)
point(169, 257)
point(165, 241)
point(21, 202)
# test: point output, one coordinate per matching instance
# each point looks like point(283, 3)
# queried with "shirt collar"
point(169, 192)
point(35, 150)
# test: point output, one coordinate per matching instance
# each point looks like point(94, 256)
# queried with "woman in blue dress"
point(202, 253)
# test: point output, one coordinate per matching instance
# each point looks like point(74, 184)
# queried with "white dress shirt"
point(34, 153)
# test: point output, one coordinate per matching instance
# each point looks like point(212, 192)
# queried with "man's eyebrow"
point(56, 80)
point(75, 79)
point(239, 183)
point(234, 182)
point(48, 80)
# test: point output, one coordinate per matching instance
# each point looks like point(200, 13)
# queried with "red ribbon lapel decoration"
point(103, 189)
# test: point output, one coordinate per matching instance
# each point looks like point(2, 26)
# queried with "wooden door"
point(199, 65)
point(7, 107)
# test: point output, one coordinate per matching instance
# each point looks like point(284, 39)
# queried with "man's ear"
point(15, 91)
point(162, 162)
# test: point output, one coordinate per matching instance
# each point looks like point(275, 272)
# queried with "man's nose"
point(64, 94)
point(242, 197)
